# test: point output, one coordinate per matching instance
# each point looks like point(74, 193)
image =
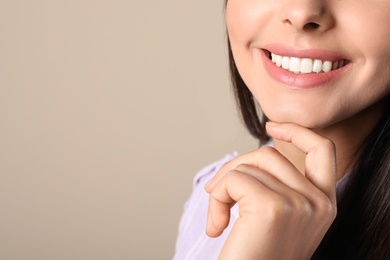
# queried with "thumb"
point(320, 162)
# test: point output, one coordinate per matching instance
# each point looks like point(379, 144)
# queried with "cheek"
point(247, 21)
point(370, 37)
point(237, 28)
point(249, 24)
point(365, 27)
point(242, 32)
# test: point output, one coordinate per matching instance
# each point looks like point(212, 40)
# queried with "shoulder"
point(192, 241)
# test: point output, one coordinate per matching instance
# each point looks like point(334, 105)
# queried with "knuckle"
point(227, 165)
point(234, 178)
point(328, 144)
point(266, 153)
point(302, 204)
point(284, 208)
point(241, 167)
point(325, 207)
point(232, 174)
point(278, 208)
point(267, 150)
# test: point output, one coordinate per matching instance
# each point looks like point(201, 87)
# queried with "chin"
point(311, 121)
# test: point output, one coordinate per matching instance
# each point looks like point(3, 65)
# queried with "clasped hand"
point(283, 214)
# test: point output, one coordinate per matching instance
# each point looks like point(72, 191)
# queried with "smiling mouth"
point(306, 65)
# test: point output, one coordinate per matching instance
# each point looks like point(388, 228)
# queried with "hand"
point(283, 214)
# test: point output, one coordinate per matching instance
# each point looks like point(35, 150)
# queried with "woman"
point(320, 71)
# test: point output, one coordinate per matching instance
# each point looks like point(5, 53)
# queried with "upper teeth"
point(306, 65)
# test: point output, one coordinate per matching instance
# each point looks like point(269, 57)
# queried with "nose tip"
point(303, 25)
point(305, 16)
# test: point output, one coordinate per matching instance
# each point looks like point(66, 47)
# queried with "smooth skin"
point(286, 194)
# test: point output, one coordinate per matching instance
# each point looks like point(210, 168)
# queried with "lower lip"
point(300, 81)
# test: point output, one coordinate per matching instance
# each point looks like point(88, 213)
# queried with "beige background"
point(107, 110)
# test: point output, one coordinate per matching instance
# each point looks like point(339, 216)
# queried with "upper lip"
point(312, 53)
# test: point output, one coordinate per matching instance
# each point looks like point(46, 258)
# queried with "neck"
point(347, 135)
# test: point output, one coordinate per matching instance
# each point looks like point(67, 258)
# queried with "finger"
point(320, 162)
point(281, 182)
point(271, 161)
point(267, 158)
point(256, 192)
point(236, 186)
point(218, 216)
point(302, 196)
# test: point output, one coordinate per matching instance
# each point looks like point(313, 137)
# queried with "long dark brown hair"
point(361, 229)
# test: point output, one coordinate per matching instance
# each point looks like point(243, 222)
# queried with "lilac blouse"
point(192, 241)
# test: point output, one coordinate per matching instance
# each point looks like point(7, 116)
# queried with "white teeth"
point(279, 60)
point(274, 58)
point(317, 66)
point(306, 65)
point(327, 66)
point(286, 63)
point(295, 65)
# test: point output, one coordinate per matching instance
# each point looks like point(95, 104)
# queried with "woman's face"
point(331, 58)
